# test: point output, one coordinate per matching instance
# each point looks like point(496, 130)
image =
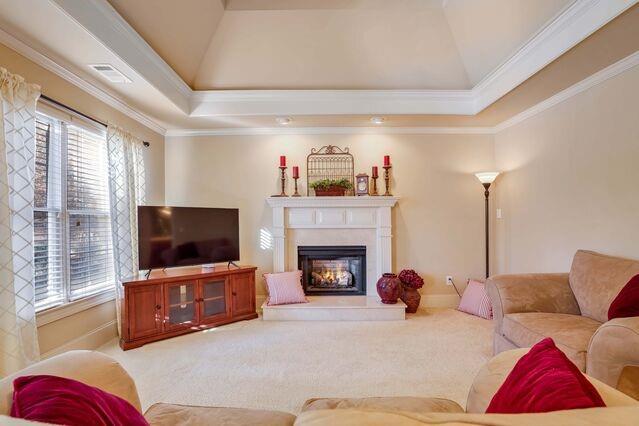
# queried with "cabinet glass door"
point(180, 305)
point(214, 303)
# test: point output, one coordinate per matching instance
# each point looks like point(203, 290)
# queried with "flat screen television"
point(185, 236)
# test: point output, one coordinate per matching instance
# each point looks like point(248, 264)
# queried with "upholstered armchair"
point(572, 308)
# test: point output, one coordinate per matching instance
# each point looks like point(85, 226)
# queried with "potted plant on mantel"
point(331, 187)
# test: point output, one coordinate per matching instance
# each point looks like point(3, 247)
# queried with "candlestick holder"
point(374, 190)
point(283, 180)
point(296, 194)
point(387, 180)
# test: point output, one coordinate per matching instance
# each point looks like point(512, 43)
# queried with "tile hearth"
point(336, 308)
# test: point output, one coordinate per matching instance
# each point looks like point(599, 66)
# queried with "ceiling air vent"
point(110, 73)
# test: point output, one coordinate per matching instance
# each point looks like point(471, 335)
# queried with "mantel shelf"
point(364, 201)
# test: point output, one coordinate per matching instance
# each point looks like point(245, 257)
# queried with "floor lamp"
point(486, 178)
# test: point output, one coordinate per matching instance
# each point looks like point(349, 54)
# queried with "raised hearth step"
point(336, 308)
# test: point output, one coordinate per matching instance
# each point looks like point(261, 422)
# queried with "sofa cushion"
point(618, 416)
point(399, 403)
point(596, 279)
point(626, 303)
point(571, 333)
point(176, 415)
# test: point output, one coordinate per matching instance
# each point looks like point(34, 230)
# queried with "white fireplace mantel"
point(330, 214)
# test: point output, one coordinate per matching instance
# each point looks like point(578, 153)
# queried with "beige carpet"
point(278, 365)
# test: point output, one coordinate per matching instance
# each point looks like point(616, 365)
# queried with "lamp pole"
point(486, 215)
point(486, 178)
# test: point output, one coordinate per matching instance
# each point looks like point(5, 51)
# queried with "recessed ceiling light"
point(110, 73)
point(378, 120)
point(283, 120)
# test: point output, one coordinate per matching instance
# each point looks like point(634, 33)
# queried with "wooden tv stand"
point(179, 301)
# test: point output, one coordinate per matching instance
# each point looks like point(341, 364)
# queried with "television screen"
point(183, 236)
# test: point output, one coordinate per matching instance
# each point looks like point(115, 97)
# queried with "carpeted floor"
point(278, 365)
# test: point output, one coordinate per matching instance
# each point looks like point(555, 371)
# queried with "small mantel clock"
point(361, 187)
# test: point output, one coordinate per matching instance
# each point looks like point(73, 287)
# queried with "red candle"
point(282, 160)
point(296, 172)
point(387, 160)
point(375, 175)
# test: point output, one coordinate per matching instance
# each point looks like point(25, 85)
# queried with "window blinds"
point(72, 250)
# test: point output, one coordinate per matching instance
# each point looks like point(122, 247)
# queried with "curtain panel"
point(18, 331)
point(127, 191)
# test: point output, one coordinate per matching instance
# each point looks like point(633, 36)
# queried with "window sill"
point(59, 312)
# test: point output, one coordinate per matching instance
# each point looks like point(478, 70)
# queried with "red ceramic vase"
point(411, 297)
point(388, 288)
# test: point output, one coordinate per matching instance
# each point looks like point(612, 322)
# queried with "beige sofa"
point(99, 370)
point(572, 308)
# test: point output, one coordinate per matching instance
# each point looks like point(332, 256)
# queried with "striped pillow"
point(475, 300)
point(285, 288)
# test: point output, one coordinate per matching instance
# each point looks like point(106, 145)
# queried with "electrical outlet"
point(449, 280)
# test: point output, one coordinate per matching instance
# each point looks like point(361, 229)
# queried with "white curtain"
point(127, 190)
point(18, 332)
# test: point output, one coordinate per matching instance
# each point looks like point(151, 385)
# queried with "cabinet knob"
point(234, 293)
point(158, 307)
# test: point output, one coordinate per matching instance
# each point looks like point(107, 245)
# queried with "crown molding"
point(330, 102)
point(599, 77)
point(585, 84)
point(576, 22)
point(580, 19)
point(265, 131)
point(101, 20)
point(101, 93)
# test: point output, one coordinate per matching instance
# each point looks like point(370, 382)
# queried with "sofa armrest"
point(493, 374)
point(549, 293)
point(614, 351)
point(92, 368)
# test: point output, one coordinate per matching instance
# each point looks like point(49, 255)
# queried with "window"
point(72, 227)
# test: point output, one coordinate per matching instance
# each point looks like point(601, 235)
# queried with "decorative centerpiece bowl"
point(411, 282)
point(331, 187)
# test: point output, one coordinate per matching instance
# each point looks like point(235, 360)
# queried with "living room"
point(402, 198)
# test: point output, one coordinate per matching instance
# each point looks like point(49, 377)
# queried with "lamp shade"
point(487, 177)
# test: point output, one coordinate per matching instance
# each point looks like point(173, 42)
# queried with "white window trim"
point(67, 309)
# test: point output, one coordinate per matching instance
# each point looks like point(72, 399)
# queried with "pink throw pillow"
point(285, 288)
point(61, 401)
point(475, 300)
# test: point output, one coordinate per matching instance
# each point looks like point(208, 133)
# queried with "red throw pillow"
point(626, 304)
point(56, 400)
point(544, 380)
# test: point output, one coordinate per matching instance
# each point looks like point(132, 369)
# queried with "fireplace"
point(333, 270)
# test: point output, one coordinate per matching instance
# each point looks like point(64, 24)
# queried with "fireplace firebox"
point(333, 270)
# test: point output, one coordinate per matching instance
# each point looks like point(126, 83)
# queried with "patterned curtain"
point(127, 188)
point(18, 332)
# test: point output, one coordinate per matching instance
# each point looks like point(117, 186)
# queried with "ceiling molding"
point(101, 20)
point(599, 77)
point(571, 26)
point(585, 84)
point(101, 93)
point(568, 28)
point(330, 102)
point(261, 131)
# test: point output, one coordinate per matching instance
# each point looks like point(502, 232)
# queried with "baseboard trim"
point(91, 340)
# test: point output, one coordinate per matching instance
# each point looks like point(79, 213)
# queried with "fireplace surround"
point(333, 270)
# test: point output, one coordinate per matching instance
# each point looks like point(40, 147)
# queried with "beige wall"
point(438, 223)
point(572, 180)
point(94, 326)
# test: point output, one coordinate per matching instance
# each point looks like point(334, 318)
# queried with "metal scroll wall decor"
point(329, 162)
